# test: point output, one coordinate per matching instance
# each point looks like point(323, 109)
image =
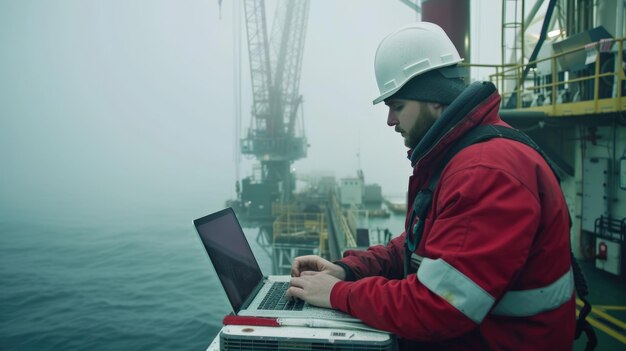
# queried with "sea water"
point(140, 281)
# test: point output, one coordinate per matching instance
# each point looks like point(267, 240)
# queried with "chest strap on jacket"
point(423, 201)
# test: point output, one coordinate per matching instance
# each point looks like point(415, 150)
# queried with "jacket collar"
point(478, 104)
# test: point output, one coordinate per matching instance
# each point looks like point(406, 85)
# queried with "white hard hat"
point(410, 51)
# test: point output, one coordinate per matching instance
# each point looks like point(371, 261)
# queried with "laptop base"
point(250, 338)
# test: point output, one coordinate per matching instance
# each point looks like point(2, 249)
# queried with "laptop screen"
point(230, 254)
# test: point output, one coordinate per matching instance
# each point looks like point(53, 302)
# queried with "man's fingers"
point(297, 266)
point(297, 282)
point(312, 287)
point(300, 264)
point(295, 271)
point(295, 292)
point(307, 263)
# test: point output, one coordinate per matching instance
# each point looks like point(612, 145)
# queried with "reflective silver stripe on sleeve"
point(525, 303)
point(456, 288)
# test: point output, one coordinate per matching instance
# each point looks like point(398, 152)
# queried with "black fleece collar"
point(471, 97)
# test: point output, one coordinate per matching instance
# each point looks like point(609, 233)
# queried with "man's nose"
point(392, 120)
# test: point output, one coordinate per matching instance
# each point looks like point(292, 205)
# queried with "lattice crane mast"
point(275, 137)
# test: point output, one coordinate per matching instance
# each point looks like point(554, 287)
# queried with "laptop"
point(249, 292)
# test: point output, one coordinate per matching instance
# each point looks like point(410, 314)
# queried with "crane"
point(275, 136)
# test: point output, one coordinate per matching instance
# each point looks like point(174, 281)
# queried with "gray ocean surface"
point(99, 282)
point(134, 280)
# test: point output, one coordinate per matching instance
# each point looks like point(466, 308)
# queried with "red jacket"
point(495, 272)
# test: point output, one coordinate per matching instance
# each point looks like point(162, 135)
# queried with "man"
point(492, 268)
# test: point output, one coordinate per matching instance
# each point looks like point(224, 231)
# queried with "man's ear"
point(435, 108)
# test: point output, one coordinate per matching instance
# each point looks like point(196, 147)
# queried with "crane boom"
point(289, 30)
point(258, 50)
point(275, 67)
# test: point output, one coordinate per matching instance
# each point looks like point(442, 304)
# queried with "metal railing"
point(298, 226)
point(599, 97)
point(344, 233)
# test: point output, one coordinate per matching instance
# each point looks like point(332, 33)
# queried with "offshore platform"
point(562, 82)
point(290, 224)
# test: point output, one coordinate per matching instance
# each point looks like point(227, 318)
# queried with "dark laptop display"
point(231, 255)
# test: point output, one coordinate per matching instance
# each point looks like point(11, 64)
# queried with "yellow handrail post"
point(554, 78)
point(620, 71)
point(596, 84)
point(500, 79)
point(497, 81)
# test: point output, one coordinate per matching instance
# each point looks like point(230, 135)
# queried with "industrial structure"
point(565, 89)
point(274, 137)
point(562, 82)
point(290, 224)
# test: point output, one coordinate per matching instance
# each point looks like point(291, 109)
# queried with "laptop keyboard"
point(276, 299)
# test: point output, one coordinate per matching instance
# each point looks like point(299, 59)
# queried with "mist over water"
point(108, 283)
point(117, 106)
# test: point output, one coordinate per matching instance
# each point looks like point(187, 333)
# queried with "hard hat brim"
point(385, 96)
point(442, 68)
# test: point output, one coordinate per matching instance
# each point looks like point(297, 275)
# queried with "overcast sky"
point(114, 105)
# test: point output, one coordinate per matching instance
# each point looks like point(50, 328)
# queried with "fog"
point(120, 106)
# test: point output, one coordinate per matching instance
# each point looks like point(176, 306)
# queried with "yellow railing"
point(508, 80)
point(343, 225)
point(291, 226)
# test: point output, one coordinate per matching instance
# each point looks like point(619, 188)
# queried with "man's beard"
point(424, 121)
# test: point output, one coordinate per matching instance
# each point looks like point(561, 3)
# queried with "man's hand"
point(313, 263)
point(313, 287)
